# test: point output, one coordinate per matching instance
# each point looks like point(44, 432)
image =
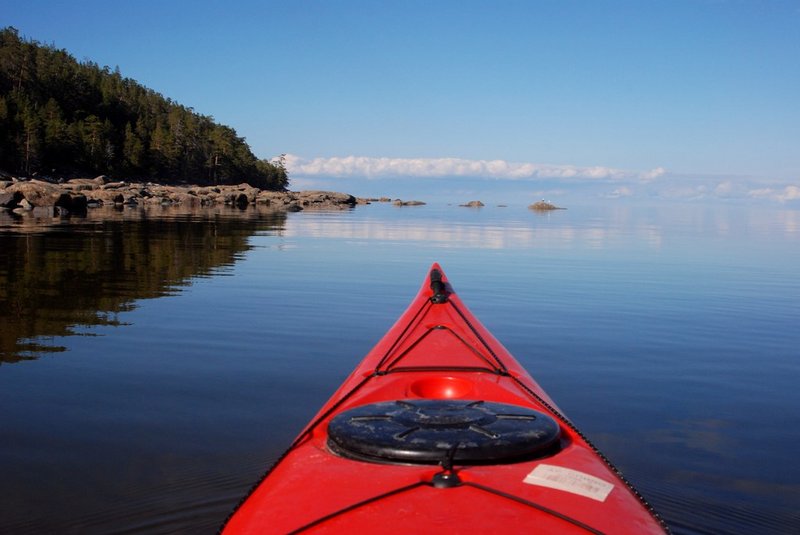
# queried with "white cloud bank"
point(789, 193)
point(597, 181)
point(367, 167)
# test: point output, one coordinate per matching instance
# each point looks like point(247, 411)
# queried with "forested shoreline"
point(64, 118)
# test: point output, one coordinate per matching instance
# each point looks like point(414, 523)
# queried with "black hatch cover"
point(432, 430)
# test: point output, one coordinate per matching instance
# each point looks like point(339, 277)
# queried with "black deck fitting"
point(439, 288)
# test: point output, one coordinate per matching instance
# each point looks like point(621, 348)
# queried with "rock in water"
point(542, 206)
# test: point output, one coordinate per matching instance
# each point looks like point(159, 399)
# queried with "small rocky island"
point(544, 206)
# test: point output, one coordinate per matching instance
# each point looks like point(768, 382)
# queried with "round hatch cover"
point(432, 430)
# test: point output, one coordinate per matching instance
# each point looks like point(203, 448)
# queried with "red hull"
point(438, 353)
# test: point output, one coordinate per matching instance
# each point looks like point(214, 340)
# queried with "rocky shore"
point(48, 198)
point(77, 196)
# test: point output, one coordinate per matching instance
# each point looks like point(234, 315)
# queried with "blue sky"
point(625, 99)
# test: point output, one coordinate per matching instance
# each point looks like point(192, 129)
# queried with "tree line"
point(61, 117)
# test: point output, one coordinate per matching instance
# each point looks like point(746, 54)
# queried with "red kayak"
point(440, 430)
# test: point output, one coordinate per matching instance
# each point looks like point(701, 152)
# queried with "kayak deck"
point(440, 428)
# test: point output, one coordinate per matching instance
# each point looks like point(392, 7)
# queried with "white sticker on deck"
point(557, 477)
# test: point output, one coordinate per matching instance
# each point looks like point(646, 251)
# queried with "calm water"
point(152, 367)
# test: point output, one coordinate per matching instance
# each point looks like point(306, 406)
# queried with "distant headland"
point(62, 121)
point(64, 118)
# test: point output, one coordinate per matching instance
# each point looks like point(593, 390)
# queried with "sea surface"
point(154, 364)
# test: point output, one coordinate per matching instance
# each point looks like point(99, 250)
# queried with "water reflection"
point(58, 274)
point(668, 332)
point(594, 228)
point(489, 228)
point(438, 228)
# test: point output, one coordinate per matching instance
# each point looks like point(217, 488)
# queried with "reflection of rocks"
point(543, 206)
point(78, 195)
point(42, 219)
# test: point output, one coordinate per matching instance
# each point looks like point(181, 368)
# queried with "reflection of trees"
point(53, 280)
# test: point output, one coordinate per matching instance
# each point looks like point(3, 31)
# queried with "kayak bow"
point(440, 429)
